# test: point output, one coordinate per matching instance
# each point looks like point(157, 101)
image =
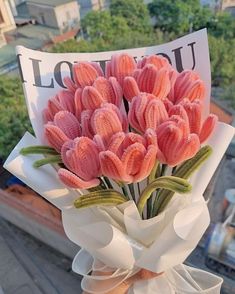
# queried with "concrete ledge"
point(37, 217)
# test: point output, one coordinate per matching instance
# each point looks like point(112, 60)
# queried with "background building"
point(89, 5)
point(229, 6)
point(40, 24)
point(7, 22)
point(59, 14)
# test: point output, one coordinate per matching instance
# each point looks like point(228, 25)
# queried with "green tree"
point(222, 24)
point(181, 16)
point(135, 12)
point(222, 61)
point(74, 46)
point(103, 31)
point(202, 18)
point(14, 117)
point(173, 16)
point(102, 25)
point(109, 32)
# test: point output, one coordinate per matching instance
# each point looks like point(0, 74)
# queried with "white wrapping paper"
point(116, 239)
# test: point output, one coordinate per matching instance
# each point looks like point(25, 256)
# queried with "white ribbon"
point(180, 279)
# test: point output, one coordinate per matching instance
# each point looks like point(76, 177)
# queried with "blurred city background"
point(35, 255)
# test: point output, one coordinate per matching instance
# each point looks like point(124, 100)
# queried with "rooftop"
point(7, 55)
point(34, 32)
point(52, 3)
point(223, 114)
point(30, 36)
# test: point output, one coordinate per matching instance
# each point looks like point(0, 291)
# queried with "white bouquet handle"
point(180, 279)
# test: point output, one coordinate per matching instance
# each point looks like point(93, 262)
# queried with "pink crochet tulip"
point(120, 66)
point(187, 85)
point(89, 97)
point(55, 136)
point(64, 100)
point(108, 120)
point(129, 157)
point(81, 158)
point(85, 73)
point(64, 127)
point(149, 79)
point(146, 111)
point(157, 60)
point(208, 127)
point(103, 90)
point(180, 111)
point(175, 142)
point(70, 84)
point(130, 88)
point(194, 112)
point(154, 81)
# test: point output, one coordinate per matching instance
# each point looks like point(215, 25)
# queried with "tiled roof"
point(40, 32)
point(52, 3)
point(30, 36)
point(223, 114)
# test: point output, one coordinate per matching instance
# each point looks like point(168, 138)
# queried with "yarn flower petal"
point(73, 181)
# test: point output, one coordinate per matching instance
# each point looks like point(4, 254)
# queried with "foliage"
point(14, 118)
point(109, 32)
point(222, 60)
point(185, 16)
point(177, 17)
point(102, 25)
point(103, 31)
point(130, 40)
point(222, 24)
point(73, 46)
point(135, 12)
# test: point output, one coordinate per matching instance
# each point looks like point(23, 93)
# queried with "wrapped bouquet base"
point(179, 279)
point(133, 255)
point(115, 152)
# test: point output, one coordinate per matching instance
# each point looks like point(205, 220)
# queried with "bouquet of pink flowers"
point(126, 141)
point(135, 121)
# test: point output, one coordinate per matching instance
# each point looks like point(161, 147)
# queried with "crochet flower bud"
point(120, 66)
point(85, 73)
point(102, 90)
point(194, 112)
point(146, 112)
point(175, 143)
point(157, 60)
point(81, 158)
point(64, 127)
point(129, 157)
point(108, 120)
point(187, 85)
point(151, 77)
point(64, 100)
